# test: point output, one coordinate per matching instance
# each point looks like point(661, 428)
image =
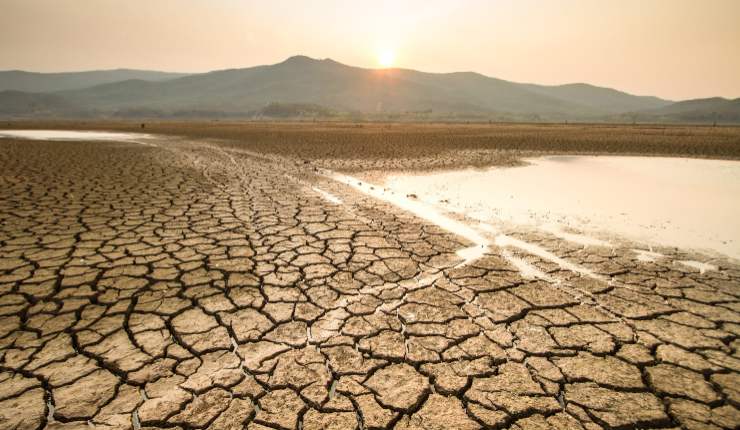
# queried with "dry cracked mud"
point(188, 285)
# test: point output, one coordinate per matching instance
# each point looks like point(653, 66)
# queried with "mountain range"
point(305, 87)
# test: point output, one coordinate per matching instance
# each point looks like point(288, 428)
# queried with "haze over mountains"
point(19, 80)
point(305, 87)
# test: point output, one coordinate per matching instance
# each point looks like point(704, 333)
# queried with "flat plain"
point(216, 277)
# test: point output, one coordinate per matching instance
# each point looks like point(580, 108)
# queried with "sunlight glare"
point(386, 58)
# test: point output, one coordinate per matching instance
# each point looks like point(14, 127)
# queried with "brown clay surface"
point(360, 147)
point(197, 285)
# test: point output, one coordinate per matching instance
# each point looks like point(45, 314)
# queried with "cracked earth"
point(190, 285)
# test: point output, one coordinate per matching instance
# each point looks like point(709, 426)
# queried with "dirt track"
point(195, 285)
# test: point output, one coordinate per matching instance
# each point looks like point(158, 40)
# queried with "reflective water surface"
point(687, 203)
point(71, 135)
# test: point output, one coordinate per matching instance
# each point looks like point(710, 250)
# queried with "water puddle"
point(557, 230)
point(69, 135)
point(479, 234)
point(411, 204)
point(425, 211)
point(684, 203)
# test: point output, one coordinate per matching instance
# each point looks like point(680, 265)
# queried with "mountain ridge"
point(331, 86)
point(21, 80)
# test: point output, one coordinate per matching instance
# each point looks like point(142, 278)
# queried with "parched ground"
point(194, 285)
point(359, 147)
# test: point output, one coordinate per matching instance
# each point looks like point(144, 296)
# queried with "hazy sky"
point(671, 48)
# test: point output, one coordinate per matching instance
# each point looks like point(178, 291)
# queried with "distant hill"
point(337, 86)
point(702, 110)
point(601, 99)
point(302, 86)
point(320, 82)
point(18, 103)
point(16, 80)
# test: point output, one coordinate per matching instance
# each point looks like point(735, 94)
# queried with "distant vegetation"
point(305, 88)
point(295, 110)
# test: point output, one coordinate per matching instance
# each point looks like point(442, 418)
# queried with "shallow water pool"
point(72, 135)
point(686, 203)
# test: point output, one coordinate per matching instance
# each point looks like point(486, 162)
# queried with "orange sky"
point(675, 49)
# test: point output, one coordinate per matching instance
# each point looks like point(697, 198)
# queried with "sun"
point(386, 58)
